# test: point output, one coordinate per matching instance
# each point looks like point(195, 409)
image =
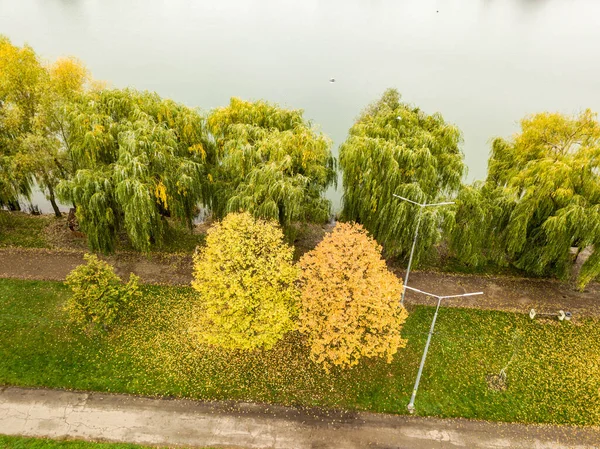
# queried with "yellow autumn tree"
point(350, 301)
point(246, 280)
point(34, 142)
point(68, 76)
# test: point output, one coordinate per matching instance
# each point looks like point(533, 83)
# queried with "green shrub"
point(99, 297)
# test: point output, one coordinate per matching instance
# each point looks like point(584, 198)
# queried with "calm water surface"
point(482, 63)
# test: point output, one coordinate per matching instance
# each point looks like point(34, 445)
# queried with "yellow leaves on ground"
point(558, 362)
point(166, 353)
point(350, 301)
point(245, 278)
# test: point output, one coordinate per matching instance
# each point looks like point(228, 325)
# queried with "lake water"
point(483, 64)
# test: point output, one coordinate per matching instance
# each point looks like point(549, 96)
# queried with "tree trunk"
point(581, 256)
point(52, 199)
point(13, 205)
point(72, 221)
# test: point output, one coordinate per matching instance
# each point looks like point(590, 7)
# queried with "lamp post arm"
point(463, 295)
point(445, 296)
point(406, 199)
point(446, 203)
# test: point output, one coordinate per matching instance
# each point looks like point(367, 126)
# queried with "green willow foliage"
point(136, 158)
point(272, 163)
point(540, 199)
point(395, 148)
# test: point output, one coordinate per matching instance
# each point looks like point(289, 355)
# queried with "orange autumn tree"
point(350, 301)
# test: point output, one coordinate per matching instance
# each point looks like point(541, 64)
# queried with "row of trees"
point(128, 159)
point(538, 208)
point(340, 295)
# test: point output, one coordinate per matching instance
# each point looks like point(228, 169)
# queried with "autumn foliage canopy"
point(246, 280)
point(350, 301)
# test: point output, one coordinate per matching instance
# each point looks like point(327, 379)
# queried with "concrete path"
point(97, 416)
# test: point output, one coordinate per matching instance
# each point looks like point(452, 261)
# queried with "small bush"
point(246, 280)
point(99, 297)
point(350, 301)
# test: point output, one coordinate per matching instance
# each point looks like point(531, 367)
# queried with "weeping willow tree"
point(395, 148)
point(136, 159)
point(540, 201)
point(271, 163)
point(32, 96)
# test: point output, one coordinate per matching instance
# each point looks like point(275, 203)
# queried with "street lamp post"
point(414, 244)
point(411, 404)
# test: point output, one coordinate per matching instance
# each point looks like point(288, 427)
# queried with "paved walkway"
point(97, 416)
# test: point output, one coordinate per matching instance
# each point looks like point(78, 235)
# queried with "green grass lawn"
point(9, 442)
point(554, 376)
point(23, 230)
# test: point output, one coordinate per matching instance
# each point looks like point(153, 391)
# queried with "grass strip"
point(553, 369)
point(11, 442)
point(21, 230)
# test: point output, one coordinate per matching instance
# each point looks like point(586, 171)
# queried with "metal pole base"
point(411, 408)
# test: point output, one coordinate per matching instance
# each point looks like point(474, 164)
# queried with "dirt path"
point(54, 265)
point(505, 293)
point(119, 418)
point(500, 293)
